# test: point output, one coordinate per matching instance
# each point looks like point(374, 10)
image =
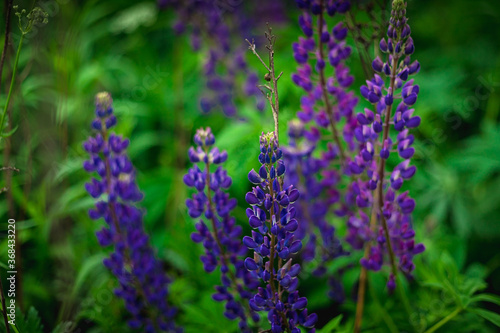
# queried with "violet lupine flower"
point(272, 215)
point(212, 27)
point(222, 240)
point(143, 284)
point(392, 231)
point(326, 105)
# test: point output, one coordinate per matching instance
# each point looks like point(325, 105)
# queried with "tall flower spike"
point(143, 284)
point(326, 111)
point(222, 239)
point(389, 233)
point(272, 216)
point(212, 26)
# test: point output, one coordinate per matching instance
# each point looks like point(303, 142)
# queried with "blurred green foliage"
point(129, 49)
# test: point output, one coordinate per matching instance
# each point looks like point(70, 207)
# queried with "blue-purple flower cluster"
point(222, 240)
point(143, 284)
point(326, 108)
point(212, 26)
point(272, 216)
point(392, 231)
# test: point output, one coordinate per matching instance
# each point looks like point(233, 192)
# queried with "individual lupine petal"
point(305, 23)
point(364, 91)
point(377, 65)
point(396, 179)
point(366, 118)
point(367, 152)
point(403, 75)
point(383, 45)
point(409, 47)
point(339, 31)
point(310, 320)
point(255, 222)
point(406, 31)
point(390, 44)
point(411, 99)
point(281, 168)
point(385, 151)
point(357, 167)
point(362, 200)
point(407, 171)
point(95, 188)
point(252, 199)
point(250, 264)
point(391, 284)
point(398, 48)
point(414, 68)
point(254, 177)
point(249, 242)
point(399, 123)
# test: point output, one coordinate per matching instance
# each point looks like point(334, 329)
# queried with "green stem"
point(444, 320)
point(11, 84)
point(402, 294)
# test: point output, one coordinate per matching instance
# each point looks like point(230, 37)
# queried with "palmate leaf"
point(31, 323)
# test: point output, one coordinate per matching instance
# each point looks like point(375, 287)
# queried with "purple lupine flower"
point(392, 94)
point(326, 102)
point(222, 239)
point(212, 26)
point(143, 284)
point(272, 216)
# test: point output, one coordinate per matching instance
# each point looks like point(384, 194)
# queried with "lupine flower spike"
point(326, 111)
point(272, 216)
point(221, 237)
point(387, 235)
point(393, 230)
point(212, 31)
point(143, 284)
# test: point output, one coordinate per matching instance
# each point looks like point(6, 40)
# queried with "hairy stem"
point(381, 173)
point(272, 96)
point(363, 277)
point(275, 106)
point(360, 303)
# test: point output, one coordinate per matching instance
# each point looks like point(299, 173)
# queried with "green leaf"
point(9, 133)
point(332, 325)
point(486, 298)
point(488, 315)
point(31, 323)
point(90, 266)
